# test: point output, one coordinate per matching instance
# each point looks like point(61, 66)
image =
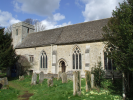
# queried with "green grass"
point(59, 91)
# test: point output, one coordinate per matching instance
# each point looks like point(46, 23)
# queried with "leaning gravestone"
point(41, 77)
point(21, 77)
point(3, 82)
point(88, 80)
point(76, 83)
point(64, 77)
point(50, 81)
point(92, 80)
point(59, 75)
point(34, 79)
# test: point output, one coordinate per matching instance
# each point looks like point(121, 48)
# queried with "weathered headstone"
point(92, 80)
point(64, 77)
point(21, 77)
point(3, 82)
point(50, 81)
point(34, 79)
point(88, 80)
point(76, 83)
point(59, 75)
point(28, 73)
point(41, 77)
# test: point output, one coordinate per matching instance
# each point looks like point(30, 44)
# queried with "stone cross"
point(34, 79)
point(59, 75)
point(41, 77)
point(76, 83)
point(64, 77)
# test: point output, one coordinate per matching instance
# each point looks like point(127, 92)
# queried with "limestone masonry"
point(70, 48)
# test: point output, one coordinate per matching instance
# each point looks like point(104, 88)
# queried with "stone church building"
point(68, 48)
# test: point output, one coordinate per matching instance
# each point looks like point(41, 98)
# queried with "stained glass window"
point(77, 59)
point(108, 63)
point(43, 60)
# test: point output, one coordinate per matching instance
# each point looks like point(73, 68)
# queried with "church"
point(69, 48)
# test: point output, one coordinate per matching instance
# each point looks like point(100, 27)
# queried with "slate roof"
point(77, 33)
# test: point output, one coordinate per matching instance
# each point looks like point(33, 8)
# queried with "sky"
point(55, 13)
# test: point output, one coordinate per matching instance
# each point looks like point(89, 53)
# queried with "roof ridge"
point(72, 25)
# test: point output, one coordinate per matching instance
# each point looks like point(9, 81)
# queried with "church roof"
point(77, 33)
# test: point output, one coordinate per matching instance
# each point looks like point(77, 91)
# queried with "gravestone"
point(88, 80)
point(28, 73)
point(76, 83)
point(41, 77)
point(64, 77)
point(50, 81)
point(21, 77)
point(92, 80)
point(3, 82)
point(59, 75)
point(34, 79)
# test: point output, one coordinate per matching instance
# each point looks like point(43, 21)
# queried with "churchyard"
point(36, 88)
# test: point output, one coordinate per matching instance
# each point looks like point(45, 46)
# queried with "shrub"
point(98, 74)
point(25, 64)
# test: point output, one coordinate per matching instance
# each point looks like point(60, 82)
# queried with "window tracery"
point(77, 59)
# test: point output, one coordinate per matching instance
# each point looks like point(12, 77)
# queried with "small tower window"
point(31, 58)
point(16, 31)
point(28, 30)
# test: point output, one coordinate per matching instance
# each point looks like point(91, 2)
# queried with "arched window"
point(108, 63)
point(43, 60)
point(77, 59)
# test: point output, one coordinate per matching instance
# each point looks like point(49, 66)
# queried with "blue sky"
point(55, 13)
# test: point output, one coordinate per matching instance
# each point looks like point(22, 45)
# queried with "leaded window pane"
point(105, 60)
point(76, 61)
point(80, 65)
point(41, 62)
point(46, 62)
point(109, 64)
point(73, 61)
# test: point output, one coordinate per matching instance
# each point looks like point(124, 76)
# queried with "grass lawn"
point(18, 90)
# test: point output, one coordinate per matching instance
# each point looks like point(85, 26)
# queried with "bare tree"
point(37, 24)
point(8, 29)
point(39, 27)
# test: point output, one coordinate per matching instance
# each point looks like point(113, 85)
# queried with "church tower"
point(20, 31)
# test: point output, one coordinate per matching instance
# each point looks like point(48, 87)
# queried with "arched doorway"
point(63, 67)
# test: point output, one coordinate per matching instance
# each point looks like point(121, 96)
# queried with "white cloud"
point(7, 19)
point(77, 2)
point(99, 9)
point(58, 17)
point(38, 7)
point(53, 24)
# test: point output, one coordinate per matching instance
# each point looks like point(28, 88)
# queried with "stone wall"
point(64, 52)
point(48, 76)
